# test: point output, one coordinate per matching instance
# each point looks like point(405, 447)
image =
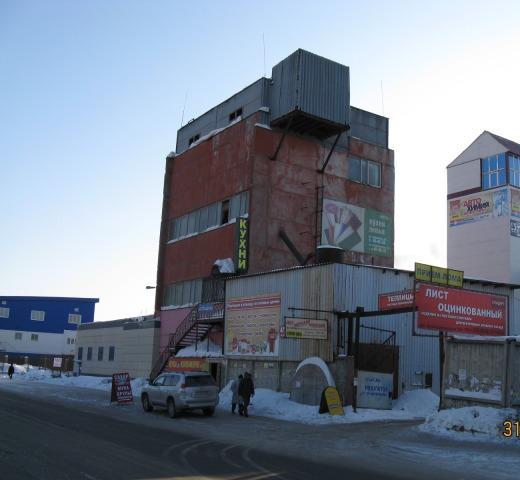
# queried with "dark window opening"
point(224, 213)
point(100, 354)
point(89, 353)
point(80, 353)
point(193, 139)
point(111, 353)
point(234, 115)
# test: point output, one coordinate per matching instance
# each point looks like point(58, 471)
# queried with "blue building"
point(39, 327)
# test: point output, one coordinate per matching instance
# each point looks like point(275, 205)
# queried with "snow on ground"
point(472, 423)
point(35, 374)
point(268, 403)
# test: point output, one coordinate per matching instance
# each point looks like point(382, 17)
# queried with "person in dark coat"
point(10, 371)
point(246, 390)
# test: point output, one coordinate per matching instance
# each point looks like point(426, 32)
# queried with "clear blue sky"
point(92, 94)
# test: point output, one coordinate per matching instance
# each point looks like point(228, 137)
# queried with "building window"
point(494, 171)
point(111, 353)
point(4, 312)
point(514, 170)
point(80, 353)
point(34, 337)
point(75, 318)
point(183, 293)
point(17, 335)
point(68, 341)
point(364, 171)
point(236, 114)
point(89, 353)
point(224, 212)
point(214, 215)
point(100, 354)
point(38, 315)
point(193, 139)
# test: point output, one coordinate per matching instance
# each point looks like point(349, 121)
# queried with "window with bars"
point(183, 293)
point(100, 354)
point(38, 315)
point(75, 318)
point(514, 170)
point(34, 337)
point(364, 171)
point(493, 171)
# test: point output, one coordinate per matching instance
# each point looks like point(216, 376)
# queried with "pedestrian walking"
point(246, 390)
point(234, 390)
point(10, 371)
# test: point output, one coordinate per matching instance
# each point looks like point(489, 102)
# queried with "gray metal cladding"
point(300, 288)
point(250, 99)
point(313, 85)
point(368, 127)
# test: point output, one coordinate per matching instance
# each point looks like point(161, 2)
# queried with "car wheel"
point(208, 411)
point(172, 411)
point(147, 406)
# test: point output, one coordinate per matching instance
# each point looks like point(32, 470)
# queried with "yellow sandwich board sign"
point(439, 275)
point(333, 401)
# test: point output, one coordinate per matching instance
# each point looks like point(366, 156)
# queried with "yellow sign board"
point(333, 401)
point(439, 275)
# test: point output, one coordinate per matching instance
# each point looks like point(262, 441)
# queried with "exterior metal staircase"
point(191, 330)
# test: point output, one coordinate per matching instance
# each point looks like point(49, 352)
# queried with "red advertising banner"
point(121, 388)
point(393, 300)
point(463, 311)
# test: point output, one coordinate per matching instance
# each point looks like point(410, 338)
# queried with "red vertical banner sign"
point(463, 311)
point(121, 388)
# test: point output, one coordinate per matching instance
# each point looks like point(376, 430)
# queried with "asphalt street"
point(41, 440)
point(74, 433)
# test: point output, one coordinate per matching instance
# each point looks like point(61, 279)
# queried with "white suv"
point(177, 391)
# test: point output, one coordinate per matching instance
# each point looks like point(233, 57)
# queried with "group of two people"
point(243, 389)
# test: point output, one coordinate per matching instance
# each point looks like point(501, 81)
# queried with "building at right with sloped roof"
point(483, 208)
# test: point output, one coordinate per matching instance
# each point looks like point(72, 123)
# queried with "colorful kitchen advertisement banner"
point(355, 228)
point(305, 328)
point(462, 311)
point(253, 325)
point(479, 206)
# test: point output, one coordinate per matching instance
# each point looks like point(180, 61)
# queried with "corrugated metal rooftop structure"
point(307, 94)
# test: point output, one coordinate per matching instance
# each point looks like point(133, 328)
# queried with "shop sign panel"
point(394, 300)
point(462, 311)
point(188, 364)
point(121, 388)
point(375, 390)
point(253, 325)
point(305, 328)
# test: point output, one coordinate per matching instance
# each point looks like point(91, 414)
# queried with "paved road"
point(41, 441)
point(55, 432)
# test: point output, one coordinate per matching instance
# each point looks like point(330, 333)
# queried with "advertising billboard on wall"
point(305, 328)
point(463, 311)
point(253, 325)
point(515, 202)
point(355, 228)
point(478, 206)
point(395, 300)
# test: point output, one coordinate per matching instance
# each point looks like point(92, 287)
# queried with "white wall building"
point(128, 345)
point(483, 210)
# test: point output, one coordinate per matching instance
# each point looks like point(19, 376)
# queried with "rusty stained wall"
point(284, 192)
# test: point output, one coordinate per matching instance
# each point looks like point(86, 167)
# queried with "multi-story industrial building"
point(282, 167)
point(37, 327)
point(484, 210)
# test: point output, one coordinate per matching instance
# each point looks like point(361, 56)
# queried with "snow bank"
point(476, 423)
point(36, 374)
point(268, 403)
